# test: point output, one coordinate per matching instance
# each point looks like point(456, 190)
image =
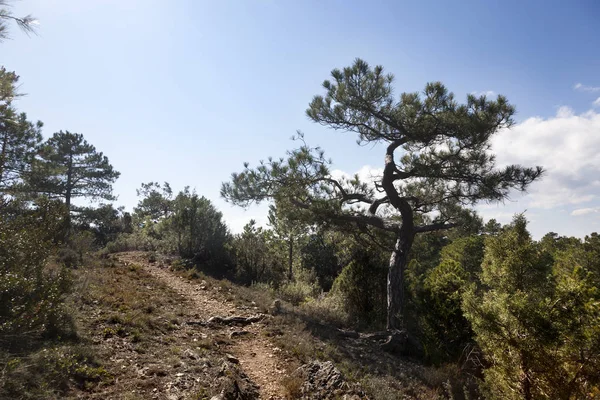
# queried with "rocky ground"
point(162, 333)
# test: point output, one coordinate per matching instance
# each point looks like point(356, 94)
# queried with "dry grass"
point(133, 339)
point(132, 344)
point(309, 332)
point(293, 386)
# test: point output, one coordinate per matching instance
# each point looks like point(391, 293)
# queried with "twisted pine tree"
point(437, 162)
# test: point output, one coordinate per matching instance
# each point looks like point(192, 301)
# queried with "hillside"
point(146, 331)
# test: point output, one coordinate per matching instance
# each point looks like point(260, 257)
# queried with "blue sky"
point(186, 91)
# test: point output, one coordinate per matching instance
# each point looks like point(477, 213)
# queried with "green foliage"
point(362, 286)
point(26, 23)
point(104, 222)
point(31, 295)
point(467, 252)
point(70, 167)
point(156, 201)
point(319, 255)
point(287, 232)
point(201, 233)
point(299, 291)
point(436, 279)
point(446, 332)
point(254, 258)
point(19, 137)
point(137, 240)
point(188, 225)
point(536, 317)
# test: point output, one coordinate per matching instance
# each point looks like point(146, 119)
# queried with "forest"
point(404, 253)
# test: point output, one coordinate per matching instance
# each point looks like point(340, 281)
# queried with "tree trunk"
point(526, 385)
point(3, 157)
point(395, 282)
point(290, 257)
point(68, 193)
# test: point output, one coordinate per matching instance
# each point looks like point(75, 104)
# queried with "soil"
point(258, 358)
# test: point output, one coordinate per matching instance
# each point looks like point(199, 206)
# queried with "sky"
point(186, 91)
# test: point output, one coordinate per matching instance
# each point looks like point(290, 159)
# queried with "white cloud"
point(567, 146)
point(366, 174)
point(584, 211)
point(584, 88)
point(488, 93)
point(596, 102)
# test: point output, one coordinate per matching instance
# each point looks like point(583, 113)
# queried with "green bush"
point(362, 285)
point(50, 373)
point(446, 332)
point(31, 295)
point(298, 292)
point(135, 241)
point(536, 317)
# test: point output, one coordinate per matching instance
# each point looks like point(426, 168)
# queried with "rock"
point(238, 333)
point(232, 359)
point(397, 343)
point(348, 334)
point(275, 307)
point(190, 354)
point(235, 320)
point(321, 380)
point(235, 385)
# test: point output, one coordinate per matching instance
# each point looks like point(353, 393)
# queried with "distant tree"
point(492, 227)
point(445, 165)
point(253, 255)
point(289, 232)
point(26, 23)
point(200, 231)
point(156, 201)
point(19, 137)
point(319, 254)
point(105, 222)
point(69, 167)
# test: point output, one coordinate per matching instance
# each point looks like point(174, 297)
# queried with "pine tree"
point(26, 23)
point(69, 167)
point(445, 164)
point(19, 137)
point(536, 317)
point(289, 232)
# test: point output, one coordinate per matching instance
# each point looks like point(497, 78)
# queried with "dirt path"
point(257, 356)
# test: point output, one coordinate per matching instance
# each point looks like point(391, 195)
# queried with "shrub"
point(362, 285)
point(298, 292)
point(31, 295)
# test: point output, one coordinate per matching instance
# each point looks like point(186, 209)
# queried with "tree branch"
point(434, 227)
point(361, 220)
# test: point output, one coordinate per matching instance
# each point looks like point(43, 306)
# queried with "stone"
point(232, 359)
point(322, 380)
point(238, 333)
point(275, 307)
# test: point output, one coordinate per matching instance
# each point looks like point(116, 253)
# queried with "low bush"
point(31, 294)
point(362, 287)
point(298, 292)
